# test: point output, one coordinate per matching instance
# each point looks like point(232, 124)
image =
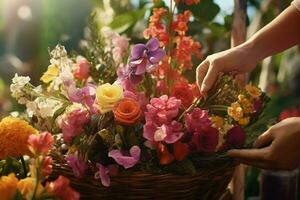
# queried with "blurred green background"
point(29, 27)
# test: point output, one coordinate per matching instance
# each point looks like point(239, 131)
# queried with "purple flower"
point(78, 165)
point(236, 137)
point(206, 140)
point(143, 58)
point(126, 161)
point(257, 105)
point(104, 173)
point(197, 120)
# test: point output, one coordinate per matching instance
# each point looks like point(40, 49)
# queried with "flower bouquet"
point(129, 125)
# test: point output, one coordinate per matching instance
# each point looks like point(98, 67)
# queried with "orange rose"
point(127, 111)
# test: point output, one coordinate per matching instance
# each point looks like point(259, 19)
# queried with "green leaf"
point(206, 10)
point(124, 21)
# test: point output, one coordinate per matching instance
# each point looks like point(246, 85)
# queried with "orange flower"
point(127, 111)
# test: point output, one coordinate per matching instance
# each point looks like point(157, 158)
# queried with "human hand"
point(237, 60)
point(278, 148)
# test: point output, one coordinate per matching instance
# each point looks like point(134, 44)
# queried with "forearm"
point(282, 33)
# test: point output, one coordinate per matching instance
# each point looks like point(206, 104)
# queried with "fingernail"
point(203, 88)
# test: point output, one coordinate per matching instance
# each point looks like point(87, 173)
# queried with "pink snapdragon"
point(104, 173)
point(47, 166)
point(73, 122)
point(124, 160)
point(41, 143)
point(160, 124)
point(78, 165)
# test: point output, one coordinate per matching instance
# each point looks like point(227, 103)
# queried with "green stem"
point(37, 179)
point(24, 166)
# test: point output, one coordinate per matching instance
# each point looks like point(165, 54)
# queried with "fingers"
point(253, 157)
point(264, 140)
point(201, 72)
point(248, 154)
point(210, 78)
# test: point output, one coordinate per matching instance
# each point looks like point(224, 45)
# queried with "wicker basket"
point(208, 183)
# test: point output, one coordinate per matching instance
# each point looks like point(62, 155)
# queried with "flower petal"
point(125, 161)
point(137, 51)
point(156, 56)
point(152, 44)
point(135, 152)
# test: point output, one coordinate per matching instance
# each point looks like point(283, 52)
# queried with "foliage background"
point(29, 27)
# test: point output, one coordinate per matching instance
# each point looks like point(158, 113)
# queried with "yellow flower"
point(244, 121)
point(253, 91)
point(218, 121)
point(50, 74)
point(245, 103)
point(235, 111)
point(27, 186)
point(8, 186)
point(107, 96)
point(14, 134)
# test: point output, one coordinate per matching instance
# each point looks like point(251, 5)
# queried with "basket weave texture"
point(209, 183)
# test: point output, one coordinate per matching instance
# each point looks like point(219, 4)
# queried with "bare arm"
point(280, 34)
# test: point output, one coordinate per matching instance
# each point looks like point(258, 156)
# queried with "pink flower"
point(197, 120)
point(170, 133)
point(85, 95)
point(162, 110)
point(236, 137)
point(126, 161)
point(47, 166)
point(41, 143)
point(61, 188)
point(104, 173)
point(82, 69)
point(206, 140)
point(160, 124)
point(72, 123)
point(78, 165)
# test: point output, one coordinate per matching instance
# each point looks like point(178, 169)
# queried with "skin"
point(279, 147)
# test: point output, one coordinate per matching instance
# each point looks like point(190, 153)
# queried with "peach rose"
point(127, 111)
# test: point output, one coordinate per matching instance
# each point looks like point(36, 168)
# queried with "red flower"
point(165, 157)
point(181, 150)
point(61, 188)
point(183, 92)
point(236, 137)
point(205, 141)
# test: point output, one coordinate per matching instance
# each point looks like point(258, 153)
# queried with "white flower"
point(31, 108)
point(46, 106)
point(18, 82)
